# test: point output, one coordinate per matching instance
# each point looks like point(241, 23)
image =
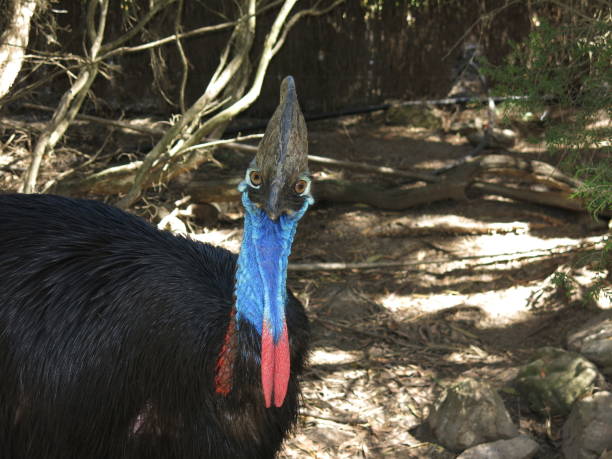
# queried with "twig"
point(110, 49)
point(482, 17)
point(73, 98)
point(547, 198)
point(71, 171)
point(134, 30)
point(337, 419)
point(153, 157)
point(377, 336)
point(296, 17)
point(372, 168)
point(228, 142)
point(183, 56)
point(97, 119)
point(176, 36)
point(232, 143)
point(537, 253)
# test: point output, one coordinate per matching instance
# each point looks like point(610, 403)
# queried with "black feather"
point(109, 335)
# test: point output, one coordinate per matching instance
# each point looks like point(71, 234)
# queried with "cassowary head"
point(278, 177)
point(275, 194)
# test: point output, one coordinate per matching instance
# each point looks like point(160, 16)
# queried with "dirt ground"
point(388, 341)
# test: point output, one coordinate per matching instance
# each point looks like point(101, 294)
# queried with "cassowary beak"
point(283, 152)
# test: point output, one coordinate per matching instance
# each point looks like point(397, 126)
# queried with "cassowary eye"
point(300, 186)
point(255, 177)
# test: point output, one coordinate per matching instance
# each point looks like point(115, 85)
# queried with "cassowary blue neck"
point(261, 277)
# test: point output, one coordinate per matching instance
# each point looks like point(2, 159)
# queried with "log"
point(500, 163)
point(453, 185)
point(547, 198)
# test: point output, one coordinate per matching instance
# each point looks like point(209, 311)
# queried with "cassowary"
point(121, 341)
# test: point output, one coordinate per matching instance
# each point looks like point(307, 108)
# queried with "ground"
point(387, 341)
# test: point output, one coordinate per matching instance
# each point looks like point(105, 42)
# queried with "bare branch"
point(72, 99)
point(314, 11)
point(104, 121)
point(181, 51)
point(13, 41)
point(169, 39)
point(191, 117)
point(110, 48)
point(372, 168)
point(506, 257)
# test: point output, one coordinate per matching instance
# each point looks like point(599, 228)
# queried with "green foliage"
point(599, 286)
point(565, 72)
point(564, 283)
point(563, 68)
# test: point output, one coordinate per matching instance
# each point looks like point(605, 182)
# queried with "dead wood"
point(547, 198)
point(387, 199)
point(453, 185)
point(596, 243)
point(14, 40)
point(73, 98)
point(372, 168)
point(474, 176)
point(104, 121)
point(489, 166)
point(169, 152)
point(111, 181)
point(506, 163)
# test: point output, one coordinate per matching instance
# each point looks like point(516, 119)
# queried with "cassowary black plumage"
point(121, 341)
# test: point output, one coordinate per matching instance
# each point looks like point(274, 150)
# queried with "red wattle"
point(225, 361)
point(282, 367)
point(275, 366)
point(267, 363)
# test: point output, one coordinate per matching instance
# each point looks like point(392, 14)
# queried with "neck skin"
point(261, 277)
point(261, 295)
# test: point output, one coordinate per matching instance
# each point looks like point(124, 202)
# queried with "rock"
point(403, 115)
point(594, 341)
point(521, 447)
point(470, 413)
point(587, 433)
point(555, 380)
point(498, 138)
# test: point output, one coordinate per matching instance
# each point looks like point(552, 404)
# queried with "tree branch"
point(72, 99)
point(104, 121)
point(13, 42)
point(296, 17)
point(181, 52)
point(110, 48)
point(506, 257)
point(222, 117)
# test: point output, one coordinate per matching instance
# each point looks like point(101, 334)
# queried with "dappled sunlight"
point(456, 223)
point(331, 356)
point(350, 404)
point(502, 306)
point(227, 238)
point(518, 243)
point(473, 354)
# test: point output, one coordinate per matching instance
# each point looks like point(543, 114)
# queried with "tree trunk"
point(14, 40)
